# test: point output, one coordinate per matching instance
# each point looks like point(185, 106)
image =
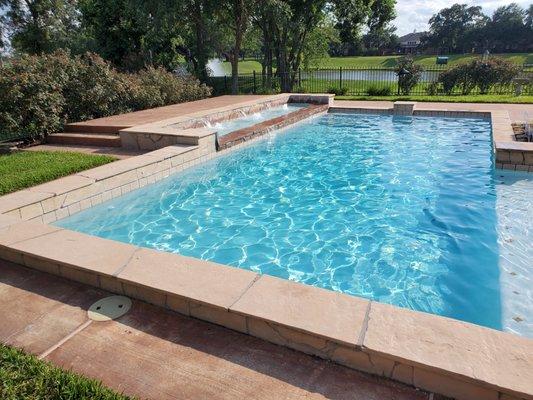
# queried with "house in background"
point(409, 43)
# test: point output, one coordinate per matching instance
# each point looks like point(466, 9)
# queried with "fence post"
point(225, 84)
point(299, 79)
point(340, 78)
point(255, 87)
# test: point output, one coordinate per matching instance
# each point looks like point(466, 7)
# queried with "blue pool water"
point(401, 210)
point(225, 127)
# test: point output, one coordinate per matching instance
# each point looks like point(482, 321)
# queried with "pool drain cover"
point(109, 308)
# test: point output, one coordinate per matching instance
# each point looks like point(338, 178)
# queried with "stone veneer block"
point(118, 167)
point(111, 284)
point(153, 138)
point(311, 98)
point(145, 294)
point(50, 267)
point(295, 339)
point(456, 388)
point(450, 347)
point(404, 107)
point(218, 316)
point(323, 313)
point(31, 211)
point(79, 251)
point(200, 281)
point(171, 151)
point(20, 199)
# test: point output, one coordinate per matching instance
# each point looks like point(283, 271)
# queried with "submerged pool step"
point(85, 139)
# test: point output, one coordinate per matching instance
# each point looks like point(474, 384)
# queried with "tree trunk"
point(235, 73)
point(240, 26)
point(201, 57)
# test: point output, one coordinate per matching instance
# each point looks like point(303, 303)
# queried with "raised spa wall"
point(194, 129)
point(438, 354)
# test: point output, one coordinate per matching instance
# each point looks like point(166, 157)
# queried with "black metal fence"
point(359, 81)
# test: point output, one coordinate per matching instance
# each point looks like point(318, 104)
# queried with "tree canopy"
point(463, 29)
point(284, 35)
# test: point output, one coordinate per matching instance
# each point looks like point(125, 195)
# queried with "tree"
point(292, 29)
point(379, 40)
point(508, 29)
point(381, 13)
point(350, 15)
point(529, 17)
point(201, 28)
point(380, 35)
point(133, 34)
point(237, 16)
point(449, 28)
point(40, 26)
point(2, 34)
point(317, 46)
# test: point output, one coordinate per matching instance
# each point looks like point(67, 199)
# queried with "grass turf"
point(24, 377)
point(248, 66)
point(29, 168)
point(489, 98)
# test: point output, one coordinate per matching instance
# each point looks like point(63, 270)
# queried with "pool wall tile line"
point(446, 356)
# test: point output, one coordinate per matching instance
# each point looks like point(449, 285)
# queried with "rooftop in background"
point(413, 38)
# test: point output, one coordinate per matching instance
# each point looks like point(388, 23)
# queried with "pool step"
point(84, 139)
point(86, 127)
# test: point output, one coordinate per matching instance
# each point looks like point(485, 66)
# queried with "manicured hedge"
point(39, 94)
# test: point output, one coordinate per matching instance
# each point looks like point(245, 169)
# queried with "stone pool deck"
point(437, 354)
point(153, 353)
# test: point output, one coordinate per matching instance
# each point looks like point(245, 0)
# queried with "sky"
point(415, 14)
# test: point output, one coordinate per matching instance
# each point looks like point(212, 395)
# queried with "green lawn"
point(248, 66)
point(450, 99)
point(24, 377)
point(29, 168)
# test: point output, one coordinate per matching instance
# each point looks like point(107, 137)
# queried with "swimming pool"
point(225, 127)
point(402, 210)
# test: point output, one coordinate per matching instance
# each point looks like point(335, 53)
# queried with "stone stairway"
point(83, 135)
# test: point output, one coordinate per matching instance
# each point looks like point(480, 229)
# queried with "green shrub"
point(160, 87)
point(41, 93)
point(96, 90)
point(486, 74)
point(31, 100)
point(338, 91)
point(379, 91)
point(482, 74)
point(409, 74)
point(432, 89)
